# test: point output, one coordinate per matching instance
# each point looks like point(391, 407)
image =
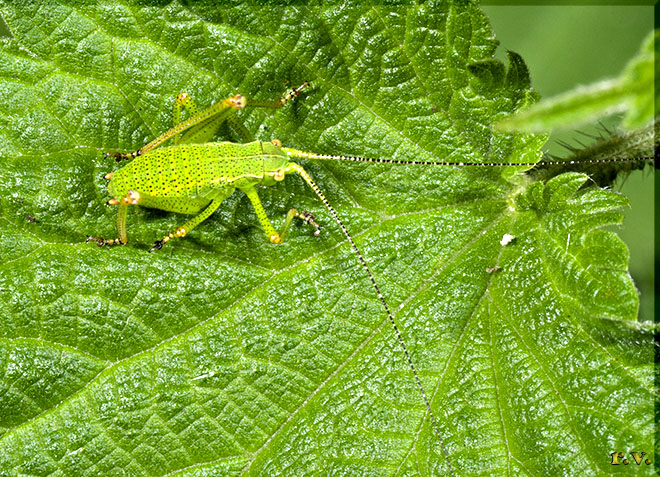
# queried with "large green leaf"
point(223, 354)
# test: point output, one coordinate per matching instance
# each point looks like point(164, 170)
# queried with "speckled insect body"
point(196, 178)
point(187, 178)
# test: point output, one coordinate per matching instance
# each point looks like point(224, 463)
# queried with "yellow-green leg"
point(201, 126)
point(132, 198)
point(183, 100)
point(192, 223)
point(273, 235)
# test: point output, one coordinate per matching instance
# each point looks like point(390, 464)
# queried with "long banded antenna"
point(298, 169)
point(331, 157)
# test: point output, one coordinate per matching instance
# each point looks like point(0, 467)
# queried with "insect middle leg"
point(273, 235)
point(183, 230)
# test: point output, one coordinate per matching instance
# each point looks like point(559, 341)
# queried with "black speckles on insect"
point(192, 171)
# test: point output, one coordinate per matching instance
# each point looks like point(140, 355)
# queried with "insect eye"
point(278, 175)
point(276, 142)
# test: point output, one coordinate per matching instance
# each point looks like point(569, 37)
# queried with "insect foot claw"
point(308, 217)
point(116, 155)
point(157, 246)
point(100, 241)
point(120, 156)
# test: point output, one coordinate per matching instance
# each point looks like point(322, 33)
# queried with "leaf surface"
point(222, 354)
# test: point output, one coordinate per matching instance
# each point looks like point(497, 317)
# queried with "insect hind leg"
point(276, 104)
point(182, 101)
point(240, 129)
point(212, 118)
point(201, 126)
point(205, 130)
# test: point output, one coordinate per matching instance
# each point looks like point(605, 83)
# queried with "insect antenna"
point(366, 268)
point(331, 157)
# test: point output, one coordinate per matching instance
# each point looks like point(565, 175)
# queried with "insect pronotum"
point(194, 176)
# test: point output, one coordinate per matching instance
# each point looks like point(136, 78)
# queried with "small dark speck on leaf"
point(30, 218)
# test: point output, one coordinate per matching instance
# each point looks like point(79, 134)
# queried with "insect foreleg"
point(273, 235)
point(131, 198)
